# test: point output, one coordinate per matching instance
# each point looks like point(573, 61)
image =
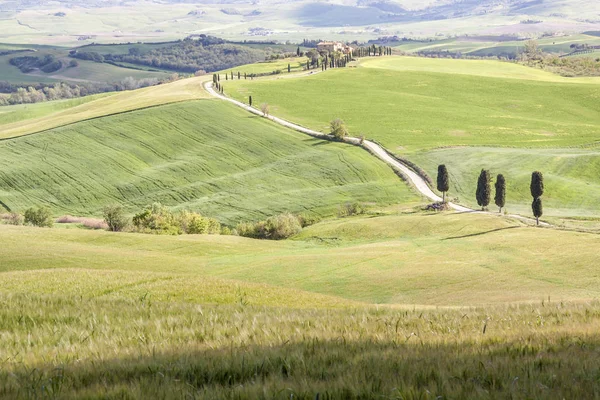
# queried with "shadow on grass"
point(399, 367)
point(481, 233)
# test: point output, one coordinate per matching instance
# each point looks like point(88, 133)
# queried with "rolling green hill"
point(202, 155)
point(413, 106)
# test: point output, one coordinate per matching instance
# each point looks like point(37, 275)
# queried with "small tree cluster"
point(279, 227)
point(159, 220)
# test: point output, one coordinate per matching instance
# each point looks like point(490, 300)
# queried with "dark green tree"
point(500, 197)
point(239, 75)
point(250, 100)
point(537, 208)
point(231, 75)
point(298, 51)
point(443, 181)
point(484, 191)
point(537, 184)
point(289, 69)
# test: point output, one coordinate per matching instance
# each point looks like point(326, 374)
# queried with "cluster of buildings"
point(331, 47)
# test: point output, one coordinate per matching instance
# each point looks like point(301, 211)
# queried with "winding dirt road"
point(419, 183)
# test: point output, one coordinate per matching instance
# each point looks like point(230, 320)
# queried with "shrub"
point(283, 226)
point(338, 129)
point(41, 217)
point(279, 227)
point(308, 220)
point(350, 209)
point(157, 219)
point(115, 218)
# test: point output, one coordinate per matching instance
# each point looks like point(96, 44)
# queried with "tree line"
point(483, 192)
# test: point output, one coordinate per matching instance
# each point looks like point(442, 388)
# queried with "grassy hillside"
point(205, 155)
point(25, 120)
point(441, 259)
point(414, 105)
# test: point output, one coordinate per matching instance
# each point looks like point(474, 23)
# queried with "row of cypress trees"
point(483, 193)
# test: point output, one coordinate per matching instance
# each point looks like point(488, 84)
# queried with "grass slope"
point(414, 105)
point(205, 155)
point(440, 259)
point(181, 90)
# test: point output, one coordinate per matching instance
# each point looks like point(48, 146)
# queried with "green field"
point(86, 71)
point(87, 313)
point(429, 109)
point(190, 155)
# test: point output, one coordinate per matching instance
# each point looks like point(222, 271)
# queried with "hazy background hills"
point(68, 21)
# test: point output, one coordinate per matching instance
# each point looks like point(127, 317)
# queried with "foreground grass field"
point(101, 315)
point(205, 155)
point(413, 106)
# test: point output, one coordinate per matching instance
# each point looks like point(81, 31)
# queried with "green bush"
point(157, 219)
point(160, 220)
point(115, 218)
point(350, 209)
point(41, 217)
point(279, 227)
point(338, 129)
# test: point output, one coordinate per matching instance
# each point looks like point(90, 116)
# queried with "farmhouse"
point(331, 47)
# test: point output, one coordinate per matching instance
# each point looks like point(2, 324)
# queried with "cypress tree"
point(307, 65)
point(298, 51)
point(289, 68)
point(537, 184)
point(250, 100)
point(484, 191)
point(537, 190)
point(537, 208)
point(239, 76)
point(443, 181)
point(245, 76)
point(218, 78)
point(500, 197)
point(231, 75)
point(226, 77)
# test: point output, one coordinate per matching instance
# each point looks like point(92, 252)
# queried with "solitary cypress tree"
point(443, 182)
point(537, 184)
point(298, 51)
point(500, 197)
point(484, 191)
point(537, 208)
point(537, 190)
point(289, 68)
point(250, 100)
